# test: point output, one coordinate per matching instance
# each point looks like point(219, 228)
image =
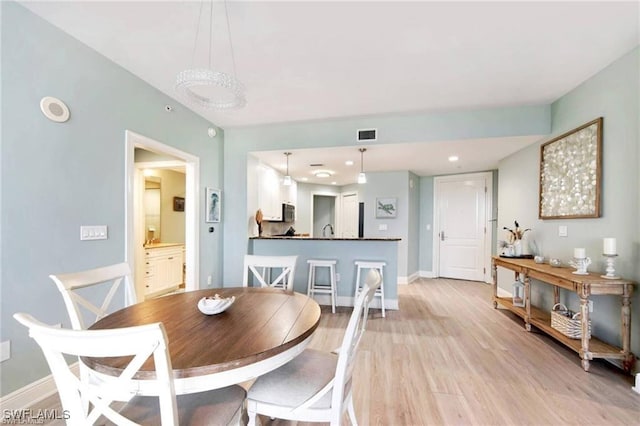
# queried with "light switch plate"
point(382, 227)
point(563, 231)
point(98, 232)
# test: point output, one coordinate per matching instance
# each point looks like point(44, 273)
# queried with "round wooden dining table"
point(263, 329)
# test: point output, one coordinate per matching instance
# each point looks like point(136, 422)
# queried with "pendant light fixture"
point(362, 178)
point(287, 178)
point(206, 87)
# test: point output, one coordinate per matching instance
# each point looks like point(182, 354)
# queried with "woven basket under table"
point(567, 322)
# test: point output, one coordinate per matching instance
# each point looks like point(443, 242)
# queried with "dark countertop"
point(323, 239)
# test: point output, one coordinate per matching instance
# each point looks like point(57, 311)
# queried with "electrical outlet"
point(563, 231)
point(382, 227)
point(58, 325)
point(5, 350)
point(209, 280)
point(337, 277)
point(590, 306)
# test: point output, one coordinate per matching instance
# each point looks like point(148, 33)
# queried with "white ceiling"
point(317, 60)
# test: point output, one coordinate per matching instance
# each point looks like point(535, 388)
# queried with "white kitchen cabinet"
point(269, 193)
point(272, 193)
point(163, 270)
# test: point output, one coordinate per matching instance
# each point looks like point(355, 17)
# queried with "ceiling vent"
point(316, 165)
point(367, 135)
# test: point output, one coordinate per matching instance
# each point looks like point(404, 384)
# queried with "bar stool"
point(365, 264)
point(323, 288)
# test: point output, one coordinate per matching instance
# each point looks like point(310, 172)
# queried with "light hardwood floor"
point(448, 358)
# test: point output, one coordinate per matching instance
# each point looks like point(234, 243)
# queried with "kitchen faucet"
point(324, 228)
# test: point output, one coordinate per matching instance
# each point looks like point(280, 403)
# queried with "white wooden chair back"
point(261, 269)
point(340, 386)
point(141, 342)
point(113, 274)
point(350, 342)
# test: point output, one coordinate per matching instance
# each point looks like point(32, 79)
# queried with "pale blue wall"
point(413, 234)
point(426, 127)
point(613, 95)
point(56, 177)
point(426, 220)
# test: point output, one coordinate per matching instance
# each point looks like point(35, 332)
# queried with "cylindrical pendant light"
point(362, 178)
point(287, 178)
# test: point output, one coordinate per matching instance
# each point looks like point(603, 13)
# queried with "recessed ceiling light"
point(334, 183)
point(453, 158)
point(322, 174)
point(348, 163)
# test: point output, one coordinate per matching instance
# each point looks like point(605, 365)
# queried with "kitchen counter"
point(295, 237)
point(345, 251)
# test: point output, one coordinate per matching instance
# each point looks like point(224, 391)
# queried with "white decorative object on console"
point(610, 252)
point(609, 246)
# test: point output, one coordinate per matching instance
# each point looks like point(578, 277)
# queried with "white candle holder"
point(611, 271)
point(581, 265)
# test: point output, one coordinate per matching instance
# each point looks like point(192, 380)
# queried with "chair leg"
point(332, 279)
point(355, 294)
point(251, 410)
point(352, 412)
point(311, 279)
point(382, 293)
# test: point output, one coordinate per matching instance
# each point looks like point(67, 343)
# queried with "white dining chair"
point(112, 275)
point(315, 386)
point(262, 269)
point(113, 399)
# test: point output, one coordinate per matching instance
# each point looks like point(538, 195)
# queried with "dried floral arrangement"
point(516, 233)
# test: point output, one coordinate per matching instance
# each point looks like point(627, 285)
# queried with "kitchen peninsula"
point(346, 251)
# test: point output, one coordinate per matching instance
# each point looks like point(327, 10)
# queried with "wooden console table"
point(584, 286)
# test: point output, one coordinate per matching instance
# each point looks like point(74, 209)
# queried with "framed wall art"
point(213, 205)
point(386, 208)
point(570, 174)
point(178, 204)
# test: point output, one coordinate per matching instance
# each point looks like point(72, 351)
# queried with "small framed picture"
point(213, 205)
point(178, 204)
point(386, 208)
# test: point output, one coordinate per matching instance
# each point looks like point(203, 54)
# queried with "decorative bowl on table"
point(215, 304)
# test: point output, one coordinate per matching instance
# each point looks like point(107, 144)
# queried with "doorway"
point(324, 216)
point(135, 234)
point(462, 241)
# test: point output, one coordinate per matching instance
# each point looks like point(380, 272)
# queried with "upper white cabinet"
point(269, 200)
point(272, 193)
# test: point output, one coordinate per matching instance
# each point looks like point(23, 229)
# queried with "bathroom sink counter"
point(161, 245)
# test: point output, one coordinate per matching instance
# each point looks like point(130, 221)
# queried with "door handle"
point(441, 235)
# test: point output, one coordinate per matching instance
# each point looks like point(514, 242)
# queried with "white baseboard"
point(325, 299)
point(32, 393)
point(408, 280)
point(426, 274)
point(636, 388)
point(503, 293)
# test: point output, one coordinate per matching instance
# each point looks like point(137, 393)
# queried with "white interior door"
point(461, 210)
point(349, 222)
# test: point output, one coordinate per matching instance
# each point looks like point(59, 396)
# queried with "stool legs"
point(379, 292)
point(311, 285)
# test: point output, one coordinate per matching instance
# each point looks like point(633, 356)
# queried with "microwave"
point(288, 213)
